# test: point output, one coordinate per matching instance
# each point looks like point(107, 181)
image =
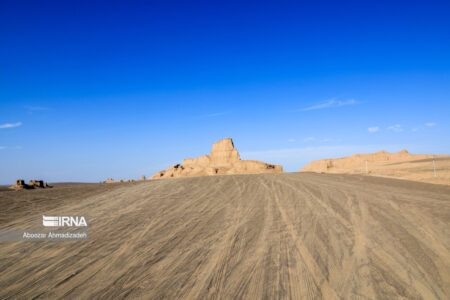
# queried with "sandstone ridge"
point(357, 163)
point(404, 165)
point(223, 159)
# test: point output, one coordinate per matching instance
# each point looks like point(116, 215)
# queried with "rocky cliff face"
point(223, 154)
point(223, 159)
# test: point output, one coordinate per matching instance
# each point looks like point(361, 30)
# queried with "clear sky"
point(91, 89)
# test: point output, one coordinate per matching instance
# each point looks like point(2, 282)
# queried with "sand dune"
point(290, 236)
point(402, 165)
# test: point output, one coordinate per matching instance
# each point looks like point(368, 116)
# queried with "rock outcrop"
point(19, 185)
point(223, 159)
point(37, 183)
point(32, 184)
point(111, 180)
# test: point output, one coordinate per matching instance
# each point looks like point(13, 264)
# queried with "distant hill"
point(404, 165)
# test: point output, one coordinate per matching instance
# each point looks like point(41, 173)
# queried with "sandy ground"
point(290, 236)
point(417, 170)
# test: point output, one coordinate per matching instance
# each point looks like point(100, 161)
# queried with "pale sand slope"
point(402, 165)
point(290, 236)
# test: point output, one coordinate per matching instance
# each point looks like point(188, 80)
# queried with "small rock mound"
point(32, 184)
point(111, 180)
point(223, 159)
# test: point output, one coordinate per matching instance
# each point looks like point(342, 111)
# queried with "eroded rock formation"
point(223, 159)
point(21, 185)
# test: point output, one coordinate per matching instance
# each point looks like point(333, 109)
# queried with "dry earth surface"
point(290, 236)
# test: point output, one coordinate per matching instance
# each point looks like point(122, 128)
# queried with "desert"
point(252, 236)
point(224, 150)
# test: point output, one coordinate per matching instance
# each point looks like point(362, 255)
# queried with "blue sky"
point(90, 90)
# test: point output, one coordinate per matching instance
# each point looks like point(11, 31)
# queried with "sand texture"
point(264, 236)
